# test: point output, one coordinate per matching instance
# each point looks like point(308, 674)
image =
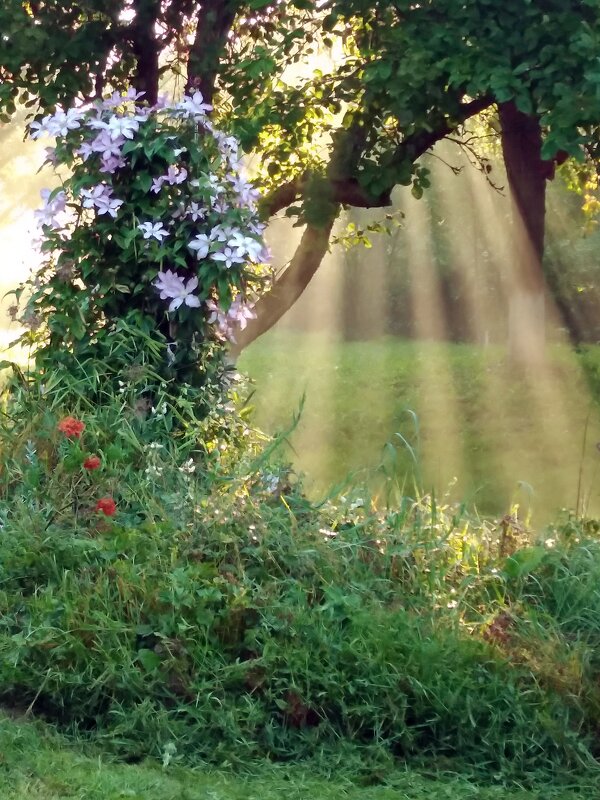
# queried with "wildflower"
point(111, 163)
point(175, 175)
point(92, 462)
point(229, 257)
point(47, 215)
point(194, 106)
point(200, 244)
point(107, 506)
point(106, 205)
point(122, 126)
point(85, 150)
point(58, 124)
point(154, 230)
point(171, 285)
point(195, 212)
point(245, 245)
point(106, 145)
point(71, 427)
point(100, 197)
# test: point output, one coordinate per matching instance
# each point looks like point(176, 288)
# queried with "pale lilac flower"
point(117, 99)
point(194, 105)
point(219, 206)
point(195, 212)
point(47, 215)
point(100, 197)
point(50, 155)
point(240, 312)
point(256, 227)
point(228, 146)
point(154, 230)
point(85, 150)
point(246, 246)
point(171, 285)
point(175, 175)
point(132, 95)
point(97, 123)
point(62, 122)
point(228, 257)
point(221, 233)
point(200, 244)
point(237, 315)
point(108, 205)
point(37, 129)
point(122, 126)
point(111, 163)
point(91, 196)
point(114, 100)
point(58, 124)
point(247, 194)
point(107, 145)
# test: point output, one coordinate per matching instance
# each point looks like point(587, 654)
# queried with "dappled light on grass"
point(508, 432)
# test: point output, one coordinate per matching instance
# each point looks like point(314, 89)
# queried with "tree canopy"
point(402, 76)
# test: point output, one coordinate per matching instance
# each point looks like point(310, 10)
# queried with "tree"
point(407, 76)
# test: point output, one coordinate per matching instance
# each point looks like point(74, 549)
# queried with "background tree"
point(404, 77)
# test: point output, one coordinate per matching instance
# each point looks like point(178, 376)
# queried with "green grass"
point(488, 433)
point(38, 764)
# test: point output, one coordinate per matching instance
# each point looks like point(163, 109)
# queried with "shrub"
point(219, 612)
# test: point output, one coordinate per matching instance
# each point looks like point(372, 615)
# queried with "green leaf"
point(149, 660)
point(523, 562)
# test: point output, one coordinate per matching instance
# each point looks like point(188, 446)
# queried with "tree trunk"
point(287, 288)
point(527, 174)
point(214, 23)
point(146, 48)
point(344, 189)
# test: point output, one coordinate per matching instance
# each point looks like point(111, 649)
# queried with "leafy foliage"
point(220, 612)
point(152, 202)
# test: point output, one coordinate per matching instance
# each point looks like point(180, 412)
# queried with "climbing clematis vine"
point(154, 222)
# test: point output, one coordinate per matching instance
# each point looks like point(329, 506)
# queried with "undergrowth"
point(211, 611)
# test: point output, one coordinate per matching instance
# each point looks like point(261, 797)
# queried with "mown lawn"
point(461, 418)
point(37, 764)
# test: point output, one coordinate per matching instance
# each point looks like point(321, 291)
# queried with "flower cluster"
point(73, 428)
point(161, 211)
point(237, 316)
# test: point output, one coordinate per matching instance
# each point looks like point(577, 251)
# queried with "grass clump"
point(39, 764)
point(489, 432)
point(214, 613)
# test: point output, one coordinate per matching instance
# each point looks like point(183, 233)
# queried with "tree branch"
point(145, 47)
point(349, 192)
point(315, 240)
point(287, 289)
point(214, 22)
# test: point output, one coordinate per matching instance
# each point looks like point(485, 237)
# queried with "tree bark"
point(146, 48)
point(288, 288)
point(527, 174)
point(214, 23)
point(343, 190)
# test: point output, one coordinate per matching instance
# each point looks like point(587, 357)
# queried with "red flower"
point(107, 506)
point(92, 462)
point(71, 427)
